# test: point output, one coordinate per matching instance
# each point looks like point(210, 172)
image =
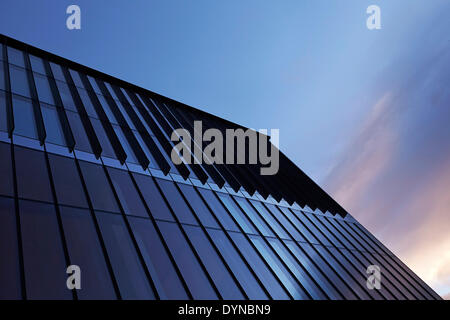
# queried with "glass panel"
point(312, 228)
point(264, 275)
point(107, 149)
point(325, 221)
point(253, 215)
point(213, 264)
point(94, 85)
point(198, 206)
point(297, 224)
point(1, 52)
point(76, 78)
point(237, 265)
point(128, 270)
point(125, 115)
point(16, 57)
point(158, 263)
point(57, 72)
point(153, 163)
point(218, 210)
point(81, 139)
point(87, 103)
point(189, 267)
point(107, 109)
point(69, 189)
point(302, 276)
point(128, 196)
point(2, 77)
point(85, 251)
point(24, 121)
point(3, 113)
point(153, 198)
point(236, 213)
point(283, 274)
point(6, 181)
point(19, 81)
point(131, 157)
point(177, 203)
point(10, 287)
point(66, 96)
point(98, 187)
point(269, 219)
point(43, 256)
point(32, 183)
point(52, 124)
point(43, 89)
point(37, 64)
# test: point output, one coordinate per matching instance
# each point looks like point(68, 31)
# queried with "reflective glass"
point(162, 271)
point(131, 157)
point(10, 287)
point(254, 216)
point(303, 217)
point(2, 77)
point(269, 219)
point(189, 267)
point(107, 109)
point(81, 139)
point(213, 264)
point(52, 125)
point(128, 270)
point(85, 251)
point(198, 206)
point(305, 234)
point(94, 85)
point(76, 78)
point(16, 57)
point(236, 213)
point(219, 211)
point(43, 256)
point(43, 89)
point(3, 113)
point(57, 72)
point(66, 96)
point(87, 103)
point(37, 64)
point(107, 149)
point(19, 81)
point(24, 121)
point(27, 164)
point(153, 163)
point(6, 181)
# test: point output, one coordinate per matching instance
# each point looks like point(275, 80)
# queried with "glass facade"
point(86, 180)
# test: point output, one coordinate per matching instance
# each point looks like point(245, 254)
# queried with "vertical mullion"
point(8, 95)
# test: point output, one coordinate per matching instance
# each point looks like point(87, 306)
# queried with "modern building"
point(86, 179)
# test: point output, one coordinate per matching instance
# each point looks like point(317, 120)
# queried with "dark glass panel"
point(312, 268)
point(215, 267)
point(37, 64)
point(153, 198)
point(131, 157)
point(69, 189)
point(303, 217)
point(3, 112)
point(190, 268)
point(270, 219)
point(98, 187)
point(66, 96)
point(237, 265)
point(81, 139)
point(218, 210)
point(298, 225)
point(315, 221)
point(2, 77)
point(24, 120)
point(158, 263)
point(85, 251)
point(253, 215)
point(52, 125)
point(76, 78)
point(57, 72)
point(335, 231)
point(94, 85)
point(100, 132)
point(127, 193)
point(6, 181)
point(198, 206)
point(32, 175)
point(148, 153)
point(19, 81)
point(16, 57)
point(45, 266)
point(107, 109)
point(10, 287)
point(236, 213)
point(302, 276)
point(125, 115)
point(87, 103)
point(177, 203)
point(258, 266)
point(128, 270)
point(43, 89)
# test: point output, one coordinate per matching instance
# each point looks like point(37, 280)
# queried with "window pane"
point(66, 96)
point(270, 219)
point(10, 287)
point(286, 213)
point(57, 72)
point(3, 113)
point(52, 125)
point(218, 210)
point(76, 78)
point(2, 77)
point(107, 149)
point(24, 121)
point(16, 57)
point(81, 139)
point(127, 193)
point(214, 265)
point(32, 175)
point(128, 270)
point(87, 103)
point(153, 198)
point(98, 187)
point(126, 146)
point(191, 270)
point(85, 251)
point(43, 89)
point(69, 189)
point(153, 163)
point(107, 109)
point(198, 205)
point(177, 203)
point(253, 215)
point(237, 265)
point(6, 181)
point(258, 266)
point(94, 85)
point(158, 263)
point(37, 64)
point(236, 213)
point(43, 256)
point(19, 81)
point(304, 219)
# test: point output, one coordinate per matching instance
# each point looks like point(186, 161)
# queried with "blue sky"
point(352, 104)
